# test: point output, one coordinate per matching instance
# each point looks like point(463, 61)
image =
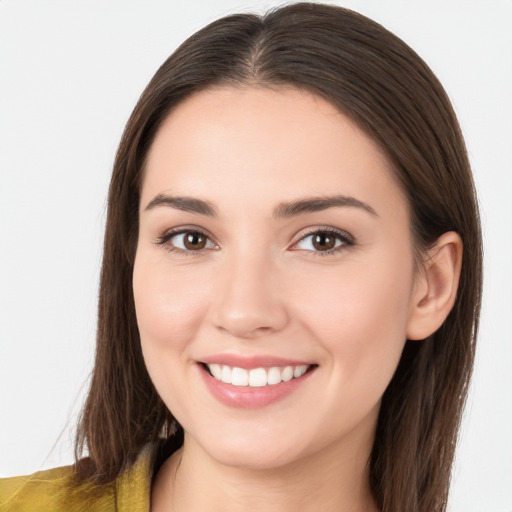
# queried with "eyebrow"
point(186, 204)
point(283, 210)
point(317, 204)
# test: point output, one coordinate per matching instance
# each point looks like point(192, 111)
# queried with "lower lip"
point(248, 397)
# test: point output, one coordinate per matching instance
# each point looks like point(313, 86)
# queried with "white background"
point(70, 73)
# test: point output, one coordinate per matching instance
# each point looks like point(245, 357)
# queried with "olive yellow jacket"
point(58, 490)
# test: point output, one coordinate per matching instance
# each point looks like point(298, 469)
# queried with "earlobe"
point(436, 287)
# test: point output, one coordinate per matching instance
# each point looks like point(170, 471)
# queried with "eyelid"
point(165, 236)
point(347, 239)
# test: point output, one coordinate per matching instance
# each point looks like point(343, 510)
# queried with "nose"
point(250, 302)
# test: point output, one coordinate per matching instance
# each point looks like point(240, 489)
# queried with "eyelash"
point(346, 239)
point(166, 236)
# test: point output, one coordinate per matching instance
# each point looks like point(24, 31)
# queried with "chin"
point(251, 452)
point(253, 458)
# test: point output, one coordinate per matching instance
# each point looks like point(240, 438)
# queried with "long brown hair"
point(376, 79)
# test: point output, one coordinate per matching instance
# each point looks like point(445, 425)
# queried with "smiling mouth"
point(256, 377)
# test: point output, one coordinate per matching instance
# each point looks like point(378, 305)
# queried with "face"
point(274, 275)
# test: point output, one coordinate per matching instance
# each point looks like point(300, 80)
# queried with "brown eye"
point(323, 241)
point(194, 241)
point(187, 241)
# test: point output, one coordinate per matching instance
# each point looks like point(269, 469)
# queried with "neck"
point(335, 480)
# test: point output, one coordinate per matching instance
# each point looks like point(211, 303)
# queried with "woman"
point(291, 281)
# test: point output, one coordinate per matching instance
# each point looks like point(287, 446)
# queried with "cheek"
point(359, 316)
point(169, 304)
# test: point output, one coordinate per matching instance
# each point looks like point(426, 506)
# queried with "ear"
point(435, 288)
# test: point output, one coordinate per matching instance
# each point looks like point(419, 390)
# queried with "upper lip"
point(251, 362)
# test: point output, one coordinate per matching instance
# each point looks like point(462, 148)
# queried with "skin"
point(259, 287)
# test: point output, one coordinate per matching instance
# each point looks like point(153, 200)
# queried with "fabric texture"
point(58, 490)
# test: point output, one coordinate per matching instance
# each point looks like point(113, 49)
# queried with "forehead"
point(261, 144)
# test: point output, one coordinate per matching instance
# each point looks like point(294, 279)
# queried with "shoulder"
point(59, 490)
point(55, 489)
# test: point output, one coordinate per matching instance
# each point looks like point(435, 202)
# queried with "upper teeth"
point(257, 377)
